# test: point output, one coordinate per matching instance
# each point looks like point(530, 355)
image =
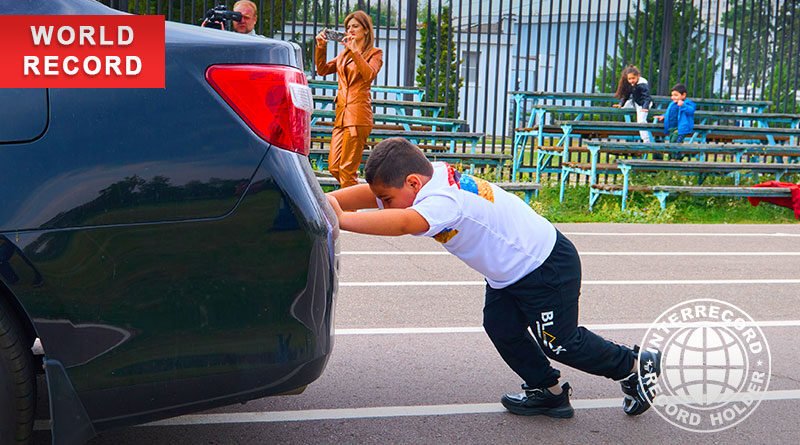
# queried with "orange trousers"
point(347, 147)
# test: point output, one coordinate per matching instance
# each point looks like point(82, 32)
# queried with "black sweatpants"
point(546, 300)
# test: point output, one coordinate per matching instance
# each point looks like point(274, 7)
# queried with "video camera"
point(219, 17)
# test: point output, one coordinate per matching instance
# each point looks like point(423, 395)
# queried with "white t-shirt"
point(491, 230)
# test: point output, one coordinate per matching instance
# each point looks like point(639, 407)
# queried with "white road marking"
point(389, 411)
point(588, 282)
point(741, 234)
point(443, 253)
point(592, 327)
point(796, 253)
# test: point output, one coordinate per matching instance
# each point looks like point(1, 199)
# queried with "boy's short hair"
point(680, 88)
point(393, 159)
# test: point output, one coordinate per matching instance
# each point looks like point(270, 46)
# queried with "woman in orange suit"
point(356, 67)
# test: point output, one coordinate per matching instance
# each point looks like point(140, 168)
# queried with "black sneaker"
point(639, 392)
point(535, 401)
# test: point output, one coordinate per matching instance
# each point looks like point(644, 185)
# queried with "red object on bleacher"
point(792, 203)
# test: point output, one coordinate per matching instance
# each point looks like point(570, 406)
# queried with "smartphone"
point(336, 36)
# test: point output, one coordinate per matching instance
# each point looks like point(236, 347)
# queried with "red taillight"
point(273, 100)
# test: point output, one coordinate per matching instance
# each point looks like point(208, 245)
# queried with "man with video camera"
point(242, 19)
point(249, 13)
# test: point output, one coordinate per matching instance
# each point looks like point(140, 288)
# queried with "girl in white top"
point(633, 91)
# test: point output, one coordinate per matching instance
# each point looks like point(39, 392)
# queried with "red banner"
point(82, 51)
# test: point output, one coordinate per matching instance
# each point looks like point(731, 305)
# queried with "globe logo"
point(704, 365)
point(715, 365)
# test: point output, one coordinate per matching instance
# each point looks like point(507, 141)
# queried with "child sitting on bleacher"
point(633, 91)
point(679, 118)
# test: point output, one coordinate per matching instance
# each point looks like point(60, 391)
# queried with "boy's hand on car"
point(660, 118)
point(615, 105)
point(336, 207)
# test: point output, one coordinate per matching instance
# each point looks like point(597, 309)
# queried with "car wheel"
point(17, 381)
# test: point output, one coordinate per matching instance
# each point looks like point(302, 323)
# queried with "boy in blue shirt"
point(532, 271)
point(679, 118)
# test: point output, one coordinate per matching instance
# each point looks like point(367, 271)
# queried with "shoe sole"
point(632, 394)
point(558, 413)
point(641, 409)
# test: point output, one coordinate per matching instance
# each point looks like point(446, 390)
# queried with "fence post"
point(666, 45)
point(411, 46)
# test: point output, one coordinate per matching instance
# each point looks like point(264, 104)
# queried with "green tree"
point(756, 28)
point(752, 23)
point(438, 69)
point(691, 59)
point(383, 13)
point(783, 80)
point(274, 14)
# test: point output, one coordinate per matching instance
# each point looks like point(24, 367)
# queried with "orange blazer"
point(355, 74)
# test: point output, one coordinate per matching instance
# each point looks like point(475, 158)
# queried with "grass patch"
point(644, 208)
point(575, 208)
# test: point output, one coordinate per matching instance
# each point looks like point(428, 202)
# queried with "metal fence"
point(745, 49)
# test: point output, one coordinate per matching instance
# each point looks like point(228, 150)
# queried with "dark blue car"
point(162, 251)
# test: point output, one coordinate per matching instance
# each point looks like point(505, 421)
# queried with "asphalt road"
point(411, 364)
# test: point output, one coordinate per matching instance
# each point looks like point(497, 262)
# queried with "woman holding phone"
point(356, 67)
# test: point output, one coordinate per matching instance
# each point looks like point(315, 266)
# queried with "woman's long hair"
point(624, 88)
point(366, 22)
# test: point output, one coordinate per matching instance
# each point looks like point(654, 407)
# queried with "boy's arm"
point(389, 222)
point(356, 197)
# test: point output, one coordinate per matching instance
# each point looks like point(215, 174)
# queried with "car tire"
point(17, 380)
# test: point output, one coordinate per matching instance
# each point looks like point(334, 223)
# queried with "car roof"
point(53, 7)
